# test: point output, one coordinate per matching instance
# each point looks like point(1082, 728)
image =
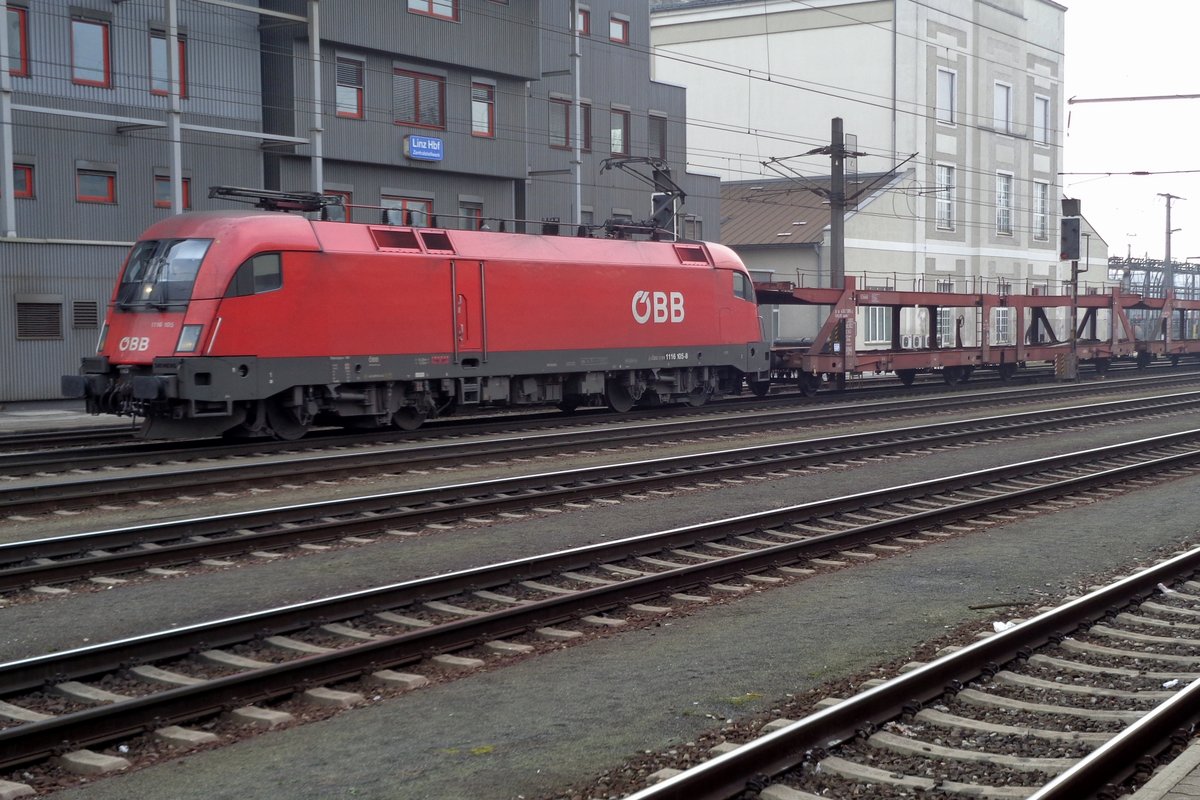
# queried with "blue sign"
point(423, 148)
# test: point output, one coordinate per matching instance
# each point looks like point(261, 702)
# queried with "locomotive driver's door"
point(469, 298)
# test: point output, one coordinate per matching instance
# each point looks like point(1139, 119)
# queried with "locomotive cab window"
point(160, 273)
point(258, 274)
point(742, 287)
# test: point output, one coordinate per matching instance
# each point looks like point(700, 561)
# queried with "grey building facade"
point(480, 84)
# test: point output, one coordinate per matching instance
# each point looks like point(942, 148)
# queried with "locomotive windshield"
point(161, 272)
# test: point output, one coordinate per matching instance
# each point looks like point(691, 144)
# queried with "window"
point(257, 274)
point(22, 180)
point(162, 192)
point(419, 99)
point(742, 287)
point(618, 29)
point(944, 199)
point(349, 93)
point(95, 186)
point(1004, 203)
point(658, 136)
point(338, 213)
point(585, 116)
point(1002, 109)
point(1041, 119)
point(690, 226)
point(412, 210)
point(159, 82)
point(1002, 323)
point(619, 128)
point(583, 22)
point(90, 60)
point(444, 9)
point(879, 322)
point(1041, 211)
point(560, 123)
point(470, 216)
point(483, 109)
point(945, 317)
point(18, 42)
point(947, 96)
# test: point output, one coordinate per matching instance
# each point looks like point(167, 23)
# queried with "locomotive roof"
point(257, 230)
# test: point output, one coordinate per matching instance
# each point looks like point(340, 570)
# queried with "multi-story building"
point(963, 99)
point(456, 113)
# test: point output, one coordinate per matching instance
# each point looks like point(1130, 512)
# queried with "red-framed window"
point(583, 22)
point(419, 99)
point(347, 200)
point(471, 216)
point(442, 9)
point(619, 132)
point(585, 115)
point(413, 210)
point(160, 70)
point(95, 186)
point(162, 192)
point(618, 30)
point(22, 180)
point(483, 109)
point(18, 42)
point(560, 123)
point(91, 61)
point(349, 99)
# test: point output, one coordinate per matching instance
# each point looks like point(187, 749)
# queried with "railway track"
point(328, 651)
point(41, 493)
point(105, 553)
point(1069, 704)
point(49, 452)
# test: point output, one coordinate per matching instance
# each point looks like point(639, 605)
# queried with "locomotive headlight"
point(189, 337)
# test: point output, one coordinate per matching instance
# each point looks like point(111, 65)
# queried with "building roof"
point(785, 211)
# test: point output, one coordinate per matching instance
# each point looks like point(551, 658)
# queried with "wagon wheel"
point(964, 373)
point(1101, 365)
point(1007, 371)
point(618, 396)
point(808, 384)
point(1144, 357)
point(906, 376)
point(951, 375)
point(759, 388)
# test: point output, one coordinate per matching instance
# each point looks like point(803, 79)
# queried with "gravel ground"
point(544, 725)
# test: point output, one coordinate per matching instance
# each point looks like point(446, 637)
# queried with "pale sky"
point(1117, 48)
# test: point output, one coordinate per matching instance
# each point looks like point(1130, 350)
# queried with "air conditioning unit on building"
point(906, 342)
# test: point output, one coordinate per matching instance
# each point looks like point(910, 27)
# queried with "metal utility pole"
point(1168, 269)
point(837, 205)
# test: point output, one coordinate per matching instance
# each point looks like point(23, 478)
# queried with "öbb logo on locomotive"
point(659, 306)
point(134, 344)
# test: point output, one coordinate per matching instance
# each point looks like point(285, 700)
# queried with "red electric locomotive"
point(265, 323)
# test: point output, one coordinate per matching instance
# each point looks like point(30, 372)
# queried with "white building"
point(962, 97)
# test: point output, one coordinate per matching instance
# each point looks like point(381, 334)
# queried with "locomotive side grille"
point(85, 314)
point(39, 320)
point(691, 254)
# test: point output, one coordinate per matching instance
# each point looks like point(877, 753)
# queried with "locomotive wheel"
point(408, 418)
point(906, 376)
point(759, 388)
point(697, 397)
point(649, 399)
point(808, 384)
point(569, 403)
point(618, 396)
point(286, 422)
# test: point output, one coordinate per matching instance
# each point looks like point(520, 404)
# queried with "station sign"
point(422, 148)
